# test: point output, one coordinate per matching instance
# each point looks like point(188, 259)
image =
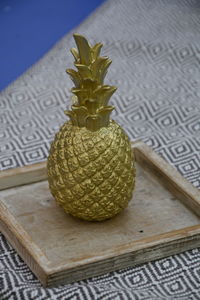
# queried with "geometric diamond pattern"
point(155, 48)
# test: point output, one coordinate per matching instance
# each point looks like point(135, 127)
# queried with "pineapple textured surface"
point(90, 166)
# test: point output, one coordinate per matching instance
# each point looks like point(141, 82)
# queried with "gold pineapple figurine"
point(91, 169)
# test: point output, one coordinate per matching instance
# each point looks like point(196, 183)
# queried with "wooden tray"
point(61, 249)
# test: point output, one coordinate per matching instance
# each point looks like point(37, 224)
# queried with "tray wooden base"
point(61, 249)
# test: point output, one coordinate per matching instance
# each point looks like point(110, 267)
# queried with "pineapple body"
point(91, 174)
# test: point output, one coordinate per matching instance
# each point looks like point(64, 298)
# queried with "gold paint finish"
point(91, 170)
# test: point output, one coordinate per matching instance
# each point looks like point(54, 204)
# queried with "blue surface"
point(28, 28)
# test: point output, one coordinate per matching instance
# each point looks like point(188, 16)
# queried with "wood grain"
point(129, 255)
point(24, 245)
point(24, 175)
point(61, 249)
point(168, 176)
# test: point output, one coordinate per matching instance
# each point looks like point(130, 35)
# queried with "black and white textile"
point(155, 48)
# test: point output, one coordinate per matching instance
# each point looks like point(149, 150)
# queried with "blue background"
point(28, 28)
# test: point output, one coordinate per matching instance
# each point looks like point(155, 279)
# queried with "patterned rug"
point(155, 48)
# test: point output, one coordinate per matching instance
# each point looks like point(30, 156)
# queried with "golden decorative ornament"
point(91, 169)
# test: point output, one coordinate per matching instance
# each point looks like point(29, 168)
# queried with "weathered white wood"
point(168, 176)
point(23, 175)
point(23, 243)
point(61, 249)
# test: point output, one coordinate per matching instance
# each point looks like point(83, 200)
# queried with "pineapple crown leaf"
point(84, 49)
point(91, 94)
